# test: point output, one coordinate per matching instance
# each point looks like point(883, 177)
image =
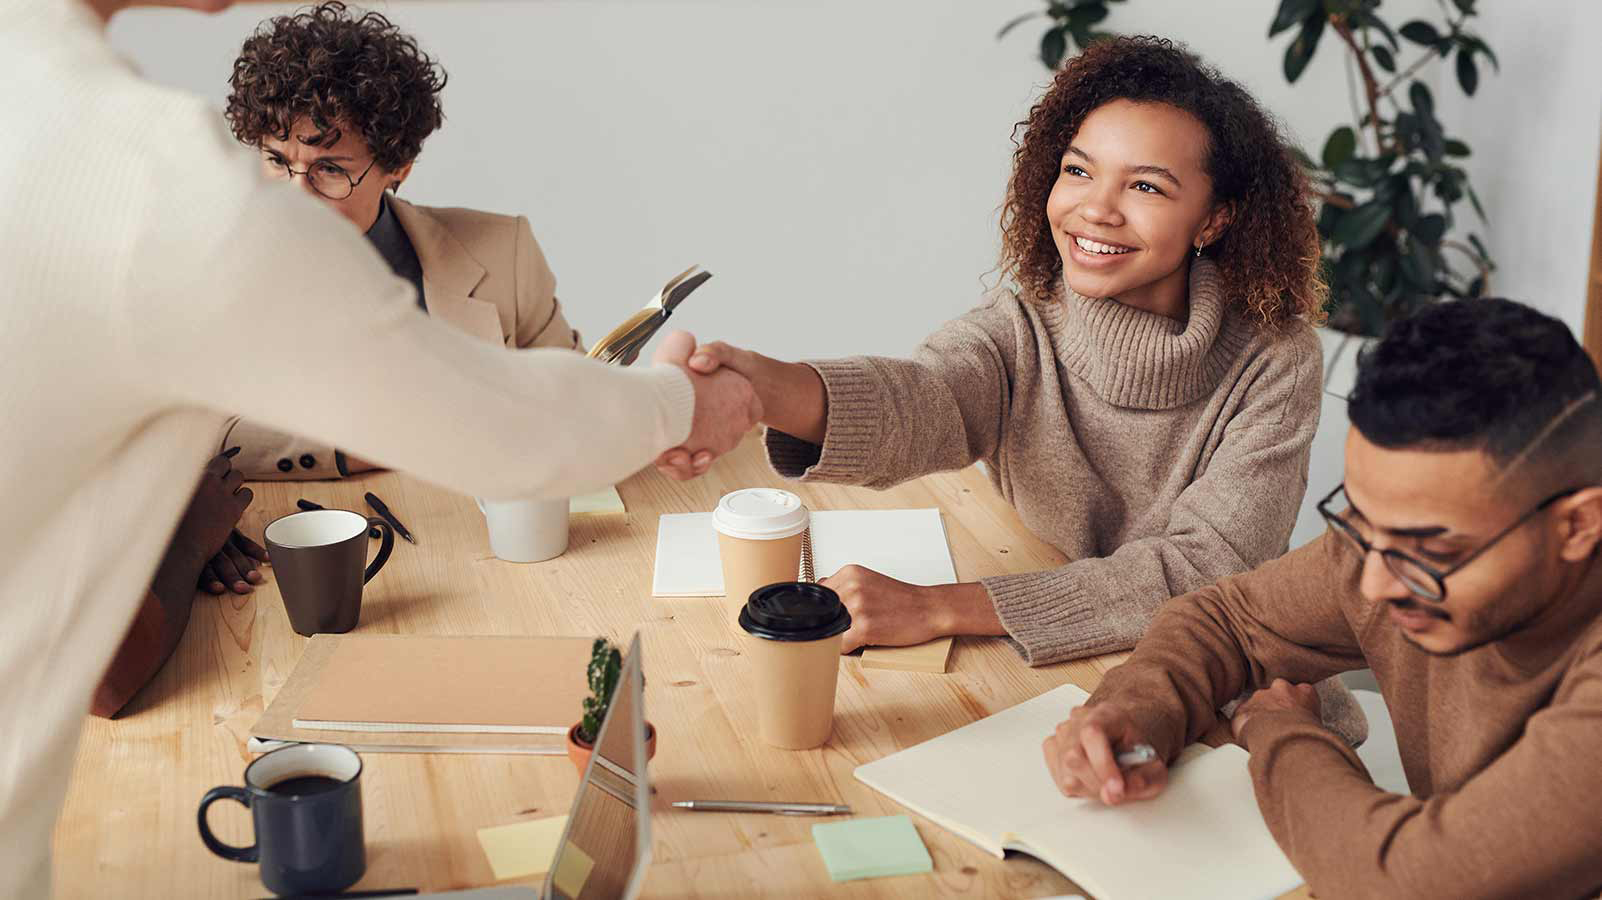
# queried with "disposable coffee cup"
point(525, 531)
point(760, 531)
point(793, 638)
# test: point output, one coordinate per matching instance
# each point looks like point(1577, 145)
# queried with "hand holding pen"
point(1100, 752)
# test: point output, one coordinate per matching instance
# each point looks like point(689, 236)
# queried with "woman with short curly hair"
point(1145, 394)
point(341, 101)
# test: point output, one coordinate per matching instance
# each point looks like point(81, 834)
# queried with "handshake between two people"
point(734, 391)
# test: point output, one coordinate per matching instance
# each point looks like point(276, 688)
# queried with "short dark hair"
point(327, 64)
point(1486, 374)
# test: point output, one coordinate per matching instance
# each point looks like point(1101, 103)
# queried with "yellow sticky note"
point(600, 503)
point(572, 870)
point(522, 849)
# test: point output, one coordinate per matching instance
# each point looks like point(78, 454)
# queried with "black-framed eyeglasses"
point(1422, 579)
point(328, 179)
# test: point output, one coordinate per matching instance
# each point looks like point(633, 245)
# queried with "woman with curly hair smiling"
point(341, 103)
point(1146, 395)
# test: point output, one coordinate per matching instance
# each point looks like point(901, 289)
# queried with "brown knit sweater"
point(1157, 456)
point(1500, 743)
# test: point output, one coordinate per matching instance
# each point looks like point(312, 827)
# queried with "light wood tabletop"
point(128, 829)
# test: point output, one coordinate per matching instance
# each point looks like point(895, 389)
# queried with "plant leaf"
point(1430, 228)
point(1087, 14)
point(1369, 20)
point(1468, 75)
point(1300, 51)
point(1455, 147)
point(1423, 102)
point(1340, 147)
point(1431, 137)
point(1475, 240)
point(1383, 57)
point(1405, 205)
point(1363, 172)
point(1465, 6)
point(1421, 32)
point(1328, 219)
point(1018, 21)
point(1470, 40)
point(1478, 209)
point(1290, 13)
point(1359, 228)
point(1053, 46)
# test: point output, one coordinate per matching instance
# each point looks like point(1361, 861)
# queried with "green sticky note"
point(872, 848)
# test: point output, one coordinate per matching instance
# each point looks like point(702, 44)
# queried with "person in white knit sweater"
point(138, 238)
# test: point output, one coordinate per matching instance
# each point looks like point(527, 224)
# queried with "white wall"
point(838, 163)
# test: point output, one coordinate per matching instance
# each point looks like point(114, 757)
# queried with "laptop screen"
point(607, 843)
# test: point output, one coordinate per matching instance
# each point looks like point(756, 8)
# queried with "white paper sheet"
point(906, 544)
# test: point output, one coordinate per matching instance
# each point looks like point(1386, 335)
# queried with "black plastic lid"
point(798, 611)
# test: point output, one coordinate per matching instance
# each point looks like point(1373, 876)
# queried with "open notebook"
point(1201, 838)
point(906, 544)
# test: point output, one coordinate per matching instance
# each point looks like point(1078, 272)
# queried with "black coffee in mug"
point(299, 785)
point(305, 802)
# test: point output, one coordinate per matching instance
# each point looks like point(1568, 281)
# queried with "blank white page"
point(906, 544)
point(983, 779)
point(1203, 837)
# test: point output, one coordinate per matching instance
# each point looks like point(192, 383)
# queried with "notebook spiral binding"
point(807, 573)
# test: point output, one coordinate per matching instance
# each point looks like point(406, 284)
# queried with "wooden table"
point(128, 829)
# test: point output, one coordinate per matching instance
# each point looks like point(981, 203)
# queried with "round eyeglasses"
point(325, 177)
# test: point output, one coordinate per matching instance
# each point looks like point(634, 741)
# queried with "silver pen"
point(752, 806)
point(1138, 755)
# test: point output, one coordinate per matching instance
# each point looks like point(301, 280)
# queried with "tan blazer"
point(483, 273)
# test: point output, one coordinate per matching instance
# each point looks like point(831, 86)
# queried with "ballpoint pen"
point(1138, 755)
point(751, 806)
point(307, 506)
point(384, 513)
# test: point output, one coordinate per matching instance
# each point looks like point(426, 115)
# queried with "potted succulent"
point(606, 664)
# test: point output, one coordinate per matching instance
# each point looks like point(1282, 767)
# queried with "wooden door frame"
point(1593, 288)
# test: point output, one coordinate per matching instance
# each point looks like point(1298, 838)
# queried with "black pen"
point(386, 892)
point(307, 506)
point(384, 513)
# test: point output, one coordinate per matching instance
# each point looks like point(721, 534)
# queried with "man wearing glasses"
point(1461, 565)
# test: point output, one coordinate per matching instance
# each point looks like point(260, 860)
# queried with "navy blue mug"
point(305, 801)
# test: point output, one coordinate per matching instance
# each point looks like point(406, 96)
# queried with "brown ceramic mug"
point(318, 558)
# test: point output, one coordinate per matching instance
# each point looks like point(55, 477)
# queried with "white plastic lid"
point(760, 514)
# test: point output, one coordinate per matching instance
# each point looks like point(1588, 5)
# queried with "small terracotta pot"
point(579, 751)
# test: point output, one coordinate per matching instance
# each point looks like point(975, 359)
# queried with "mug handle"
point(383, 548)
point(226, 851)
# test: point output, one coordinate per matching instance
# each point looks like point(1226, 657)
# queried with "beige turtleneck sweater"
point(1157, 456)
point(1499, 742)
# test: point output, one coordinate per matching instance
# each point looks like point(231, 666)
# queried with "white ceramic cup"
point(526, 530)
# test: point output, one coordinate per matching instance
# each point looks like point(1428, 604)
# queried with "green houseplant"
point(602, 672)
point(1390, 181)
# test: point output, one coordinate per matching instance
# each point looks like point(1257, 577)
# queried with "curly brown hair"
point(1269, 253)
point(326, 64)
